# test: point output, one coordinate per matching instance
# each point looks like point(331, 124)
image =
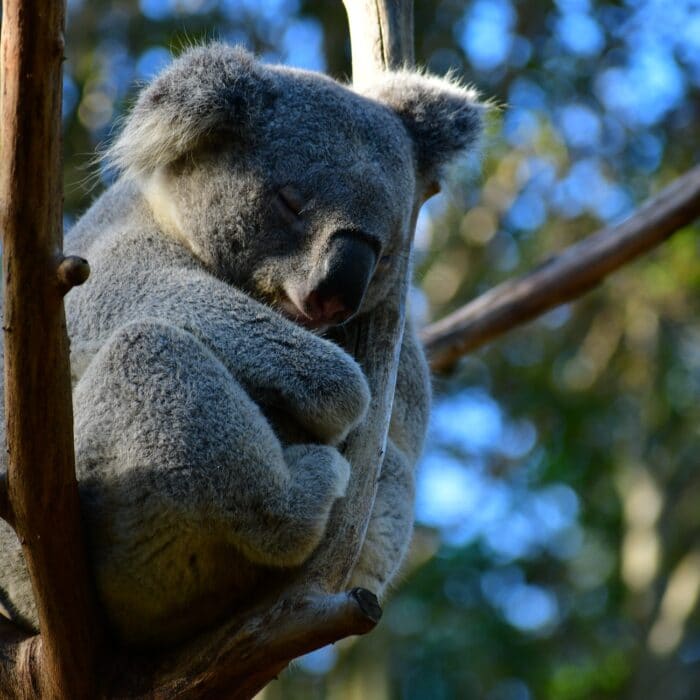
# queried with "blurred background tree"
point(557, 552)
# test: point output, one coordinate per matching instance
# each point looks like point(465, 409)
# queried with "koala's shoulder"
point(115, 211)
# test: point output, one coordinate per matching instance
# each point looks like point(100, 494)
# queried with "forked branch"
point(563, 277)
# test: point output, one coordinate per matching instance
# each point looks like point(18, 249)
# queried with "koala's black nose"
point(337, 287)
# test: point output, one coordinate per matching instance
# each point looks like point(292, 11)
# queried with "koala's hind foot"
point(177, 465)
point(390, 526)
point(317, 472)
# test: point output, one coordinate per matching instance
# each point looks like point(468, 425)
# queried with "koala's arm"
point(278, 363)
point(391, 524)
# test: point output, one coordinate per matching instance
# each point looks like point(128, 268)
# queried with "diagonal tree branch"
point(243, 655)
point(563, 277)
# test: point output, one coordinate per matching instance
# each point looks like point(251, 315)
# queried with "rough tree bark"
point(41, 500)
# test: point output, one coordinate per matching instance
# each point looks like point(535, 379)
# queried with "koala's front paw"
point(321, 472)
point(337, 401)
point(319, 476)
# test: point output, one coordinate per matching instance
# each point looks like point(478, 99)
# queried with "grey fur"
point(207, 421)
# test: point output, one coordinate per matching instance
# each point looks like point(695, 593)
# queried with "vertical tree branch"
point(381, 34)
point(42, 488)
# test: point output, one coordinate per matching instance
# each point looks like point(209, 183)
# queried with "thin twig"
point(564, 277)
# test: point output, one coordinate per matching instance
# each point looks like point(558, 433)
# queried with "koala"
point(258, 212)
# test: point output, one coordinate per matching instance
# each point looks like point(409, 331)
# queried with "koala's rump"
point(176, 609)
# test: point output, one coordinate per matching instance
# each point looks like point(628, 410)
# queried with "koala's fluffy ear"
point(443, 117)
point(207, 89)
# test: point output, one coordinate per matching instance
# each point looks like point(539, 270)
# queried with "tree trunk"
point(41, 501)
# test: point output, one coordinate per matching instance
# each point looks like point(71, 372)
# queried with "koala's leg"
point(390, 526)
point(391, 523)
point(176, 462)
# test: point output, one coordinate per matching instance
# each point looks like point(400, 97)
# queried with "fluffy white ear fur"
point(217, 87)
point(443, 117)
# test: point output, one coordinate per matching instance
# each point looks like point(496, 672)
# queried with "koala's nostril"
point(326, 310)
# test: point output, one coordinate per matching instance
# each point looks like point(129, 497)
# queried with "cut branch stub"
point(72, 271)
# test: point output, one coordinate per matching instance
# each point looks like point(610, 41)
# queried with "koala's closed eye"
point(290, 203)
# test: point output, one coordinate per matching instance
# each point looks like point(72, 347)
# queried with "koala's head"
point(285, 183)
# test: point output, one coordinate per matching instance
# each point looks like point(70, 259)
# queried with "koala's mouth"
point(291, 311)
